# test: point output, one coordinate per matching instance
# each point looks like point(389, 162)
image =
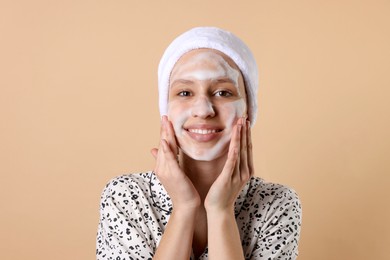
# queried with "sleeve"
point(279, 232)
point(121, 231)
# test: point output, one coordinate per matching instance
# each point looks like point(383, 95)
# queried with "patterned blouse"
point(135, 210)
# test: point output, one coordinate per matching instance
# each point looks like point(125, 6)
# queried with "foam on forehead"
point(215, 66)
point(210, 38)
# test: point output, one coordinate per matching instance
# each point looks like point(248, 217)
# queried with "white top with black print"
point(135, 209)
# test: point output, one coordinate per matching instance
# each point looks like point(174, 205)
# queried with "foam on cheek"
point(179, 122)
point(239, 107)
point(178, 118)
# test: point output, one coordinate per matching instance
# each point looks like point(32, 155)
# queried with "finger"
point(169, 155)
point(236, 172)
point(236, 136)
point(250, 151)
point(157, 152)
point(154, 152)
point(159, 156)
point(233, 153)
point(163, 136)
point(169, 135)
point(163, 132)
point(161, 125)
point(171, 138)
point(237, 141)
point(244, 171)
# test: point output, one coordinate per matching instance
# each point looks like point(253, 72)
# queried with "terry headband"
point(210, 38)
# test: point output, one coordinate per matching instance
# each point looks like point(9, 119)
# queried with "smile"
point(203, 131)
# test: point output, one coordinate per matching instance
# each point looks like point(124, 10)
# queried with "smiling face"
point(206, 98)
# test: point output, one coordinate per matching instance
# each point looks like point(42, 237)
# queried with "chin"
point(206, 156)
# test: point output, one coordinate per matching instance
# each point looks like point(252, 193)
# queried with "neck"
point(202, 173)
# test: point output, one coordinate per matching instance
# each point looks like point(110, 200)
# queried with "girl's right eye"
point(184, 93)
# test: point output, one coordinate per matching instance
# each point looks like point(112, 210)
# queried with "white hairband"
point(210, 38)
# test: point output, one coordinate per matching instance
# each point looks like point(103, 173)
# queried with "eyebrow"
point(223, 80)
point(190, 82)
point(182, 81)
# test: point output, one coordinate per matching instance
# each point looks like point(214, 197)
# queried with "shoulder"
point(274, 198)
point(127, 187)
point(268, 191)
point(128, 181)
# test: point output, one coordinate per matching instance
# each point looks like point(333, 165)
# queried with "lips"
point(203, 133)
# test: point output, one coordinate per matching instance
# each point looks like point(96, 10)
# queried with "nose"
point(202, 108)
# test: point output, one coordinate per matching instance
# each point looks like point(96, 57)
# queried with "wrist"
point(184, 212)
point(220, 212)
point(187, 205)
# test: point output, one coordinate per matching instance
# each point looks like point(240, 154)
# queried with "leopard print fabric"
point(135, 210)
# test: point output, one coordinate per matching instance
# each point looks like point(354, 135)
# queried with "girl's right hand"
point(179, 187)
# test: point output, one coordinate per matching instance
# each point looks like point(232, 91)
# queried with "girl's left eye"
point(223, 93)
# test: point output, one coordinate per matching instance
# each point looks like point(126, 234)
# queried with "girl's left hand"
point(236, 173)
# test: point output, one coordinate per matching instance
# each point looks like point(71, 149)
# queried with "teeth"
point(202, 131)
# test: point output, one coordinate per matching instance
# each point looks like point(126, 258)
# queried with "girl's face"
point(206, 98)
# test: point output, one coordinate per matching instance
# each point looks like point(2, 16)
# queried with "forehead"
point(202, 57)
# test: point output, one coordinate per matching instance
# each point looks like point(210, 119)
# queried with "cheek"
point(178, 116)
point(240, 107)
point(234, 111)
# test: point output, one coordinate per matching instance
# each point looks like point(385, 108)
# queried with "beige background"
point(78, 106)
